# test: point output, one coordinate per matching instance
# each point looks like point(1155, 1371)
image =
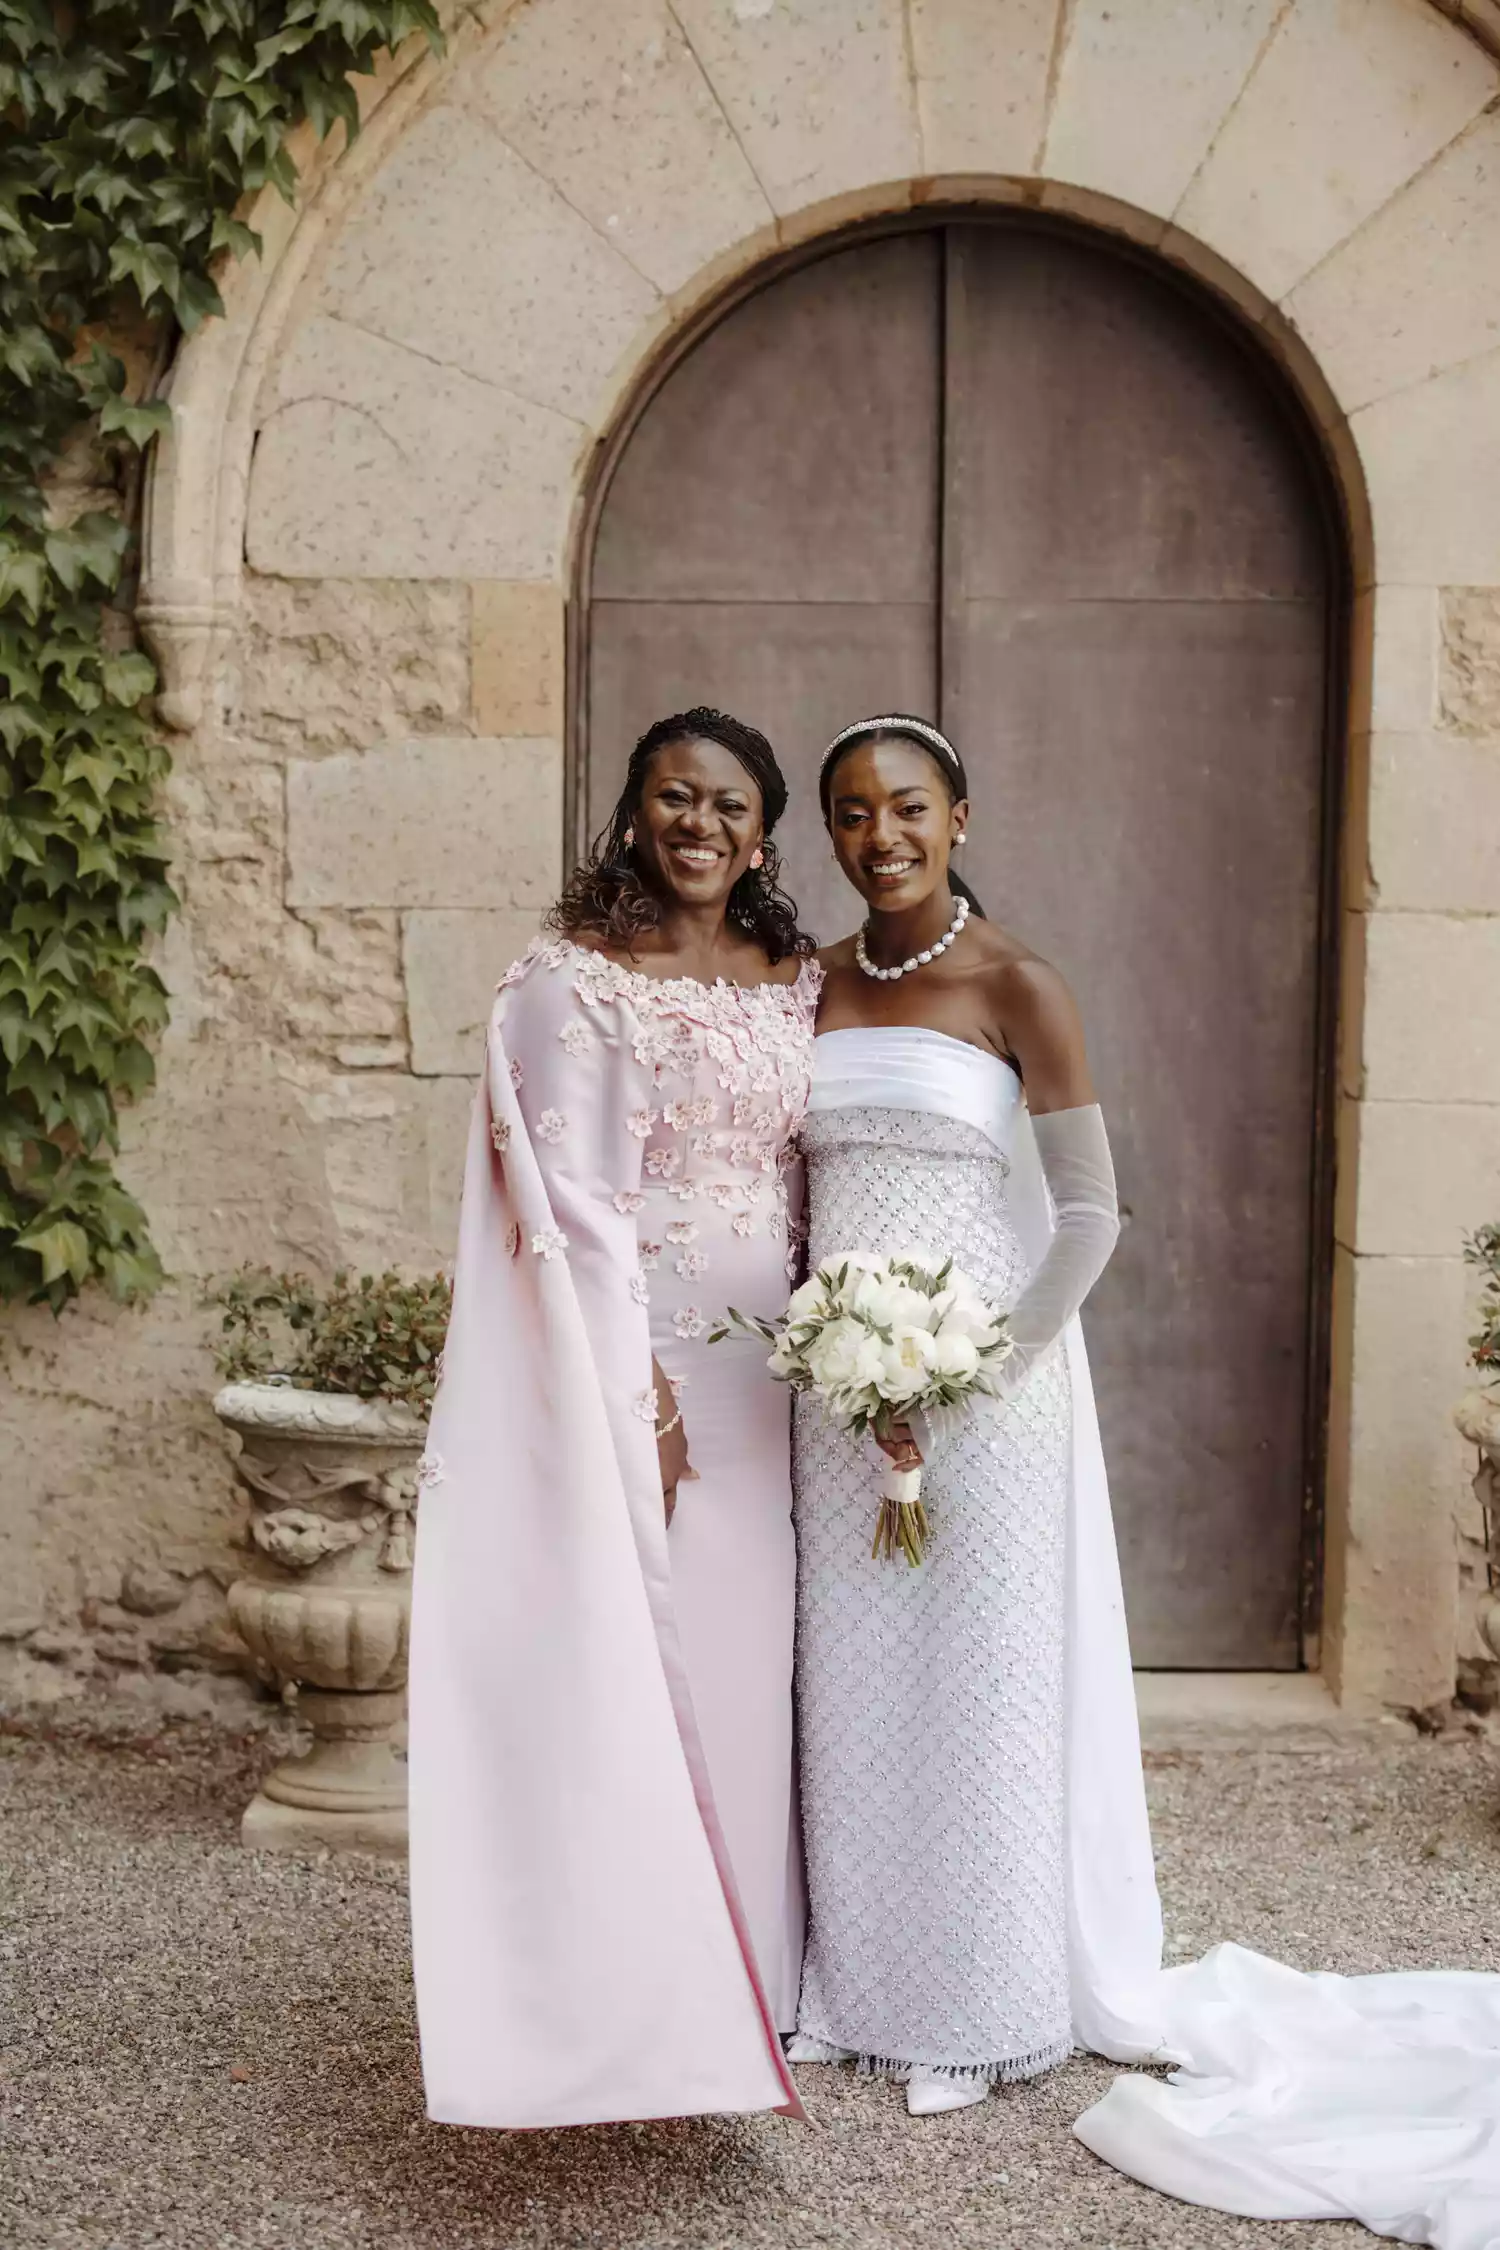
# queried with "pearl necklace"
point(918, 960)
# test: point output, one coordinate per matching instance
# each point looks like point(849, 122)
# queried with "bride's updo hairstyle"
point(939, 749)
point(607, 895)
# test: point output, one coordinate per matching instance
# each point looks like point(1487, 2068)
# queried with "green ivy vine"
point(131, 133)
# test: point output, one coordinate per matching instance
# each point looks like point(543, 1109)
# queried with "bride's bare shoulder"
point(839, 955)
point(1021, 985)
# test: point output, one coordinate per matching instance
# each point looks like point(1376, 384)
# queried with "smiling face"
point(698, 823)
point(893, 822)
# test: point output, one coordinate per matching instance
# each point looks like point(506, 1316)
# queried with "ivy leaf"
point(92, 548)
point(62, 1247)
point(126, 679)
point(146, 136)
point(195, 299)
point(233, 235)
point(96, 858)
point(23, 578)
point(29, 354)
point(327, 103)
point(138, 423)
point(150, 265)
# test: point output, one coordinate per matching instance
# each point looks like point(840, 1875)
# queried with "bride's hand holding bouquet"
point(876, 1340)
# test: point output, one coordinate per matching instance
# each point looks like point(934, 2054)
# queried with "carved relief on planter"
point(326, 1601)
point(1478, 1419)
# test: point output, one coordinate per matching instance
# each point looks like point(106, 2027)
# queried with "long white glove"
point(1080, 1174)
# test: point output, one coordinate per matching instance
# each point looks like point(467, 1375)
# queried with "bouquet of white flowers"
point(878, 1339)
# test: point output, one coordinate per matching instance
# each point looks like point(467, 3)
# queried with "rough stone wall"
point(329, 986)
point(1469, 730)
point(558, 198)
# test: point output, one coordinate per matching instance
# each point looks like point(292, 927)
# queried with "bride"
point(981, 1889)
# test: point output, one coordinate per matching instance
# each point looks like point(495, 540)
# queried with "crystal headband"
point(893, 723)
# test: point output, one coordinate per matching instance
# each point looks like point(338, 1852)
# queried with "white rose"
point(905, 1365)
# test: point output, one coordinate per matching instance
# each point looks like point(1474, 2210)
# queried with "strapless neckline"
point(918, 1031)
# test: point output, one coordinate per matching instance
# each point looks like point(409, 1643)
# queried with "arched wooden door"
point(1003, 475)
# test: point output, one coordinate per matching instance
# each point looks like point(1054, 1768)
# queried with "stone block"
point(1432, 1008)
point(1420, 1176)
point(1345, 105)
point(462, 252)
point(223, 1160)
point(453, 961)
point(519, 659)
point(362, 1126)
point(819, 97)
point(1417, 288)
point(337, 663)
point(981, 69)
point(373, 461)
point(1469, 677)
point(341, 982)
point(1433, 825)
point(440, 1136)
point(610, 105)
point(1431, 458)
point(467, 823)
point(1394, 659)
point(1396, 1473)
point(1142, 90)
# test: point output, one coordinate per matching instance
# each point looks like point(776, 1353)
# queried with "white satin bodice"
point(906, 1066)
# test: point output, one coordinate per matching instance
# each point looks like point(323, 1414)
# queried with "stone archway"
point(397, 420)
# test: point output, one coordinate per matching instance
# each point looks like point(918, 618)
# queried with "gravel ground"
point(204, 2049)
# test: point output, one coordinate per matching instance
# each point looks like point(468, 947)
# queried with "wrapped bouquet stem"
point(875, 1340)
point(901, 1522)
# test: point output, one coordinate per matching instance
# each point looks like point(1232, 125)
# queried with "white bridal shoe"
point(928, 2092)
point(798, 2048)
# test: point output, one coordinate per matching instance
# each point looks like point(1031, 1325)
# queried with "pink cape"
point(580, 1952)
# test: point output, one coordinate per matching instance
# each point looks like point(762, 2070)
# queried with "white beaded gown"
point(930, 1701)
point(980, 1878)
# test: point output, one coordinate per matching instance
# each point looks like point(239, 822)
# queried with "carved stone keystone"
point(326, 1602)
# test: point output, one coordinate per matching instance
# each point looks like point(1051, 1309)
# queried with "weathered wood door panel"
point(1133, 659)
point(1002, 476)
point(769, 543)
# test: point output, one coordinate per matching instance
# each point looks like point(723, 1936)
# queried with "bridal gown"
point(981, 1887)
point(606, 1882)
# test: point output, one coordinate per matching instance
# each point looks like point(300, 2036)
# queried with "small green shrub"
point(1482, 1249)
point(371, 1335)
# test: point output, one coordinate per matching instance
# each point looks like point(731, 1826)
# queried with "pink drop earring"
point(757, 857)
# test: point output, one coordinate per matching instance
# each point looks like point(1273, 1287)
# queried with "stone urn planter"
point(325, 1601)
point(1478, 1419)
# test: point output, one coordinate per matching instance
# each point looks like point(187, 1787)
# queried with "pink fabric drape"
point(579, 1950)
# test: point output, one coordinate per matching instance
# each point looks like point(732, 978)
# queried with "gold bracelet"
point(667, 1428)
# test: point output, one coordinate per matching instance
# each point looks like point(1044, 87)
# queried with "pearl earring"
point(962, 837)
point(629, 839)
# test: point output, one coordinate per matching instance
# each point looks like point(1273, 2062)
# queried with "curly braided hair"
point(607, 895)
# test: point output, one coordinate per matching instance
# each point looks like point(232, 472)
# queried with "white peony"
point(961, 1311)
point(843, 1356)
point(906, 1365)
point(955, 1356)
point(888, 1302)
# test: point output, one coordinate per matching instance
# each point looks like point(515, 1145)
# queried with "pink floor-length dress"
point(606, 1887)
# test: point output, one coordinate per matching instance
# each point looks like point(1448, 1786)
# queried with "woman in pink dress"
point(606, 1886)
